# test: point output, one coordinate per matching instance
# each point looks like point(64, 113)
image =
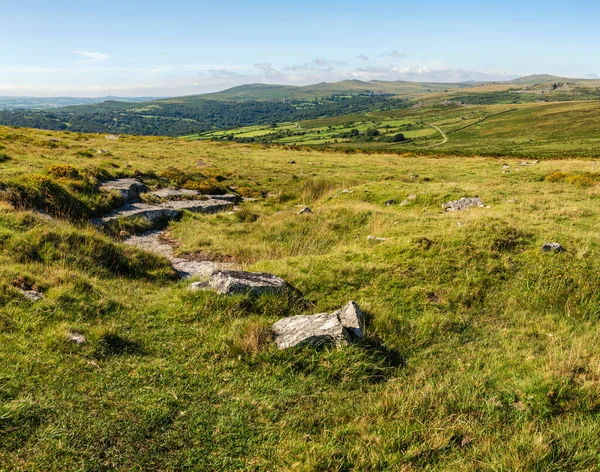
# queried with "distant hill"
point(352, 87)
point(267, 104)
point(544, 79)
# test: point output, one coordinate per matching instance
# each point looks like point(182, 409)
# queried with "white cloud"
point(395, 54)
point(266, 68)
point(91, 57)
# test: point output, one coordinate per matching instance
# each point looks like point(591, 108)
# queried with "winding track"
point(441, 132)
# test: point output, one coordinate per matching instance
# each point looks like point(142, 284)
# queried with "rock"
point(552, 247)
point(76, 337)
point(291, 162)
point(352, 319)
point(323, 328)
point(164, 211)
point(32, 295)
point(170, 193)
point(411, 197)
point(389, 203)
point(373, 238)
point(103, 151)
point(195, 286)
point(524, 163)
point(228, 197)
point(463, 204)
point(339, 328)
point(404, 203)
point(229, 282)
point(305, 211)
point(111, 137)
point(347, 191)
point(130, 189)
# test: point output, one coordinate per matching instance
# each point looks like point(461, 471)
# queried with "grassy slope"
point(533, 130)
point(480, 351)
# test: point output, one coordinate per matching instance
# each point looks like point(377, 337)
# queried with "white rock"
point(463, 204)
point(338, 328)
point(229, 282)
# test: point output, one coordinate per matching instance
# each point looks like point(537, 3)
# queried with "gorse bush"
point(581, 179)
point(64, 172)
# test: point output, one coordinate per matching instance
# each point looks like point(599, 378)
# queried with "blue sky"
point(159, 48)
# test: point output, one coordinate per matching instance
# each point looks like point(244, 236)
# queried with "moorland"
point(480, 349)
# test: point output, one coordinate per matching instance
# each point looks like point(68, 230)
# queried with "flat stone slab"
point(339, 328)
point(463, 204)
point(130, 189)
point(228, 197)
point(162, 211)
point(230, 282)
point(168, 193)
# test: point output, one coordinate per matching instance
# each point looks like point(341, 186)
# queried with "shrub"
point(64, 172)
point(4, 157)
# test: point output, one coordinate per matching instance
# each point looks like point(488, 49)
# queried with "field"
point(481, 350)
point(530, 130)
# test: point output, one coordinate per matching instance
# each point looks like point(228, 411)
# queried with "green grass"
point(480, 352)
point(533, 130)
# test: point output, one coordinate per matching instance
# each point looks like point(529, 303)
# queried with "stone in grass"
point(230, 282)
point(463, 204)
point(339, 328)
point(374, 238)
point(130, 189)
point(32, 295)
point(305, 211)
point(76, 337)
point(389, 203)
point(552, 247)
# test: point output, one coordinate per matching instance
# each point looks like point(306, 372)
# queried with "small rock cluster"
point(463, 204)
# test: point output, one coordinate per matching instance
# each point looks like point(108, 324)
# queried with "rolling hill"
point(265, 104)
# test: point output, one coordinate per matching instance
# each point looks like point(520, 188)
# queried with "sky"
point(88, 48)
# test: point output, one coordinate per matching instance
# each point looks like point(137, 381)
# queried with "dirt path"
point(153, 241)
point(439, 131)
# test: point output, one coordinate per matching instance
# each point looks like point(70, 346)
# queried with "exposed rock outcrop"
point(130, 189)
point(338, 328)
point(463, 204)
point(230, 282)
point(164, 211)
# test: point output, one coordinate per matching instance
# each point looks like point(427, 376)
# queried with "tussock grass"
point(480, 353)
